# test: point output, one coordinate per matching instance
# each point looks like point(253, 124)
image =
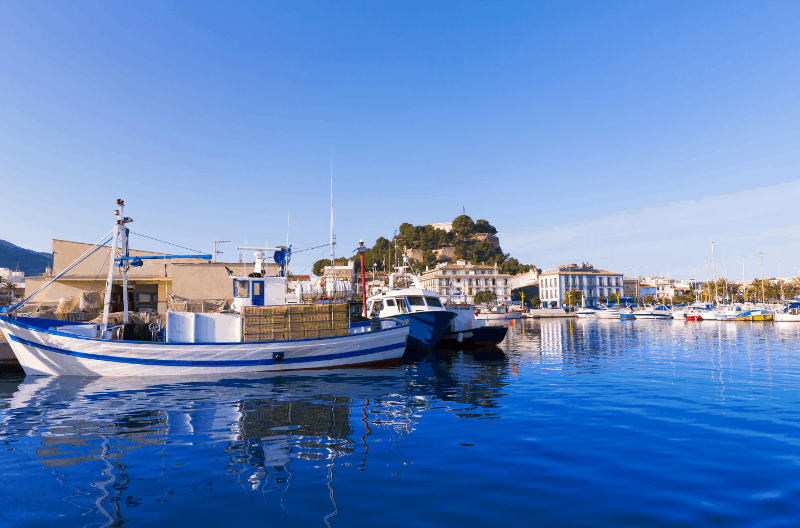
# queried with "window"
point(433, 301)
point(415, 301)
point(389, 302)
point(458, 279)
point(258, 289)
point(375, 309)
point(241, 288)
point(505, 282)
point(494, 282)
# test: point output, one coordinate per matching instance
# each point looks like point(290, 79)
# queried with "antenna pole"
point(112, 262)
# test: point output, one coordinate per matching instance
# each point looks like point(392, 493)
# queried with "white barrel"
point(308, 292)
point(339, 289)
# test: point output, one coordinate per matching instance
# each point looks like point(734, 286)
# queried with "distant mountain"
point(31, 262)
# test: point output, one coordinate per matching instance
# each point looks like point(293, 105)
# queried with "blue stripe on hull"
point(208, 363)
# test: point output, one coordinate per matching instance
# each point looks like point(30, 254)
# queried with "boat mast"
point(761, 260)
point(744, 280)
point(780, 279)
point(708, 286)
point(333, 236)
point(714, 266)
point(124, 266)
point(112, 262)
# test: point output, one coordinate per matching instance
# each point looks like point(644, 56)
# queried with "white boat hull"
point(787, 317)
point(498, 316)
point(44, 352)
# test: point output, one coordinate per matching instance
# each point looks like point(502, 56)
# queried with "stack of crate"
point(298, 321)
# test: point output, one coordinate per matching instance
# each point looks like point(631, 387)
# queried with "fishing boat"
point(466, 331)
point(255, 336)
point(408, 301)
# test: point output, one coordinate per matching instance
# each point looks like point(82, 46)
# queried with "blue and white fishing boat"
point(421, 308)
point(192, 344)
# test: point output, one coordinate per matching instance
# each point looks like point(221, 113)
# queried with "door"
point(258, 293)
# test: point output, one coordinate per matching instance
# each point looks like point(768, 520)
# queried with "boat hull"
point(482, 337)
point(427, 328)
point(45, 352)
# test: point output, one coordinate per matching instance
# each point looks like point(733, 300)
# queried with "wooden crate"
point(306, 321)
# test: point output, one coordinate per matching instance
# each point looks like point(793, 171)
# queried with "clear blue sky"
point(618, 133)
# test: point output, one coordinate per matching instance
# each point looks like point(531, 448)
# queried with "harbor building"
point(150, 286)
point(592, 283)
point(459, 283)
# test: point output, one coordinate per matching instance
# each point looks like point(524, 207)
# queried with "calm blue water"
point(574, 423)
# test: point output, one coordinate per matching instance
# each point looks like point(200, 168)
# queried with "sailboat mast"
point(708, 286)
point(761, 260)
point(714, 266)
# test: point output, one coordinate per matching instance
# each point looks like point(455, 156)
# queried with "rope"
point(101, 271)
point(315, 247)
point(168, 243)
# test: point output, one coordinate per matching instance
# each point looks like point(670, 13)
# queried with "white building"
point(593, 284)
point(15, 277)
point(458, 283)
point(529, 278)
point(662, 288)
point(341, 272)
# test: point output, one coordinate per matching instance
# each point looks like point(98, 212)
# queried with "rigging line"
point(165, 242)
point(69, 268)
point(99, 272)
point(315, 247)
point(320, 256)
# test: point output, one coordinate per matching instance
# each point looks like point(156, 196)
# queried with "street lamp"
point(636, 274)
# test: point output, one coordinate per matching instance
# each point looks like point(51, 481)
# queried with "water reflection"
point(569, 422)
point(115, 445)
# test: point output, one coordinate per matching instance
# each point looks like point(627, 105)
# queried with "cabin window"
point(389, 302)
point(258, 289)
point(376, 309)
point(415, 301)
point(241, 288)
point(433, 301)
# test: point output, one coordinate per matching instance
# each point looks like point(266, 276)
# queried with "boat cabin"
point(405, 301)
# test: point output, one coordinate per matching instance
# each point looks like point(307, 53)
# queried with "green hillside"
point(464, 237)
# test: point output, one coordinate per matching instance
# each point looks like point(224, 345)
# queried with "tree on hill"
point(463, 226)
point(482, 226)
point(320, 265)
point(484, 296)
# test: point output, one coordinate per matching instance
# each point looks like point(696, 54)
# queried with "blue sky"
point(618, 133)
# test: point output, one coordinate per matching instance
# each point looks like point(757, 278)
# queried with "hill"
point(31, 262)
point(461, 239)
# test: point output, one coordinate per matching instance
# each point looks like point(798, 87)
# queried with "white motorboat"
point(604, 312)
point(659, 311)
point(790, 313)
point(408, 301)
point(498, 313)
point(246, 340)
point(586, 313)
point(695, 309)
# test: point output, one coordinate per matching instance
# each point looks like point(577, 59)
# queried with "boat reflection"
point(120, 444)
